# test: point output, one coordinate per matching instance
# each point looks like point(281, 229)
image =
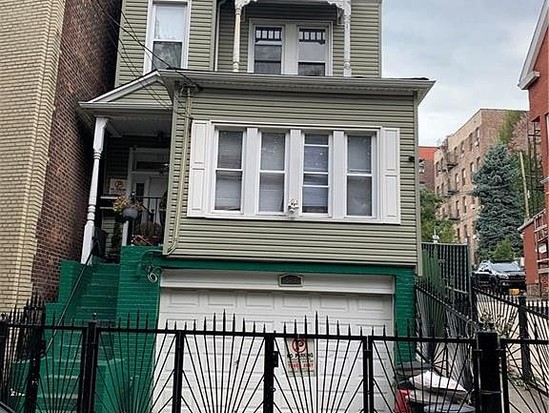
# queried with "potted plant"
point(128, 207)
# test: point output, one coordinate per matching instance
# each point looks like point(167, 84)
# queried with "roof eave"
point(527, 80)
point(293, 83)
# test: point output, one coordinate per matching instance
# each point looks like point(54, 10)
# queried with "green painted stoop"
point(106, 293)
point(97, 293)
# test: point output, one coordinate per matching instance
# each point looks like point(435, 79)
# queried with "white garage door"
point(227, 373)
point(275, 308)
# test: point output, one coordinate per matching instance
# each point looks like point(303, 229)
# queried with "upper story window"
point(290, 48)
point(272, 172)
point(166, 35)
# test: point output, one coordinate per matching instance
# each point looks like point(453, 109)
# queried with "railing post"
point(270, 362)
point(523, 334)
point(88, 368)
point(4, 331)
point(490, 381)
point(365, 375)
point(37, 345)
point(371, 379)
point(178, 371)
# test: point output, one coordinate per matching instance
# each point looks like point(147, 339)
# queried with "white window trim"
point(289, 61)
point(148, 58)
point(385, 170)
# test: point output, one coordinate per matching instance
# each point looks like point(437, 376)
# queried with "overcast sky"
point(474, 49)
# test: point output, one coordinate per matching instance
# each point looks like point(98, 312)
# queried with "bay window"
point(290, 48)
point(289, 172)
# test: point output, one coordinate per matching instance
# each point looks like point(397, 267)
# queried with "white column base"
point(87, 245)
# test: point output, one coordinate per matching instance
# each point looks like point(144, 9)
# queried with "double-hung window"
point(316, 173)
point(272, 172)
point(359, 175)
point(276, 172)
point(290, 48)
point(167, 33)
point(228, 172)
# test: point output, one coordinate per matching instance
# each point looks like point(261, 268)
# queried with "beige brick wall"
point(30, 32)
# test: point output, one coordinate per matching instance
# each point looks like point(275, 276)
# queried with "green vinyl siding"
point(366, 39)
point(201, 35)
point(133, 34)
point(132, 37)
point(298, 240)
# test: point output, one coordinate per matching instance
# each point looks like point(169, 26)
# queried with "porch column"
point(98, 138)
point(236, 46)
point(347, 72)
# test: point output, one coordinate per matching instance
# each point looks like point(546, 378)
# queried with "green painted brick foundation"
point(137, 295)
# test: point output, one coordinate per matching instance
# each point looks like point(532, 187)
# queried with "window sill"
point(301, 218)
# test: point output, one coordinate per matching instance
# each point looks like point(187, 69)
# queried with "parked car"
point(499, 276)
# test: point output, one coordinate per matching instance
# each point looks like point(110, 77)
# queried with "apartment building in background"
point(426, 166)
point(54, 53)
point(459, 157)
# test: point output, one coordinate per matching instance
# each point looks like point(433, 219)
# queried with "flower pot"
point(130, 212)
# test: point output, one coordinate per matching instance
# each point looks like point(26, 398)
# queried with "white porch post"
point(98, 138)
point(347, 72)
point(236, 45)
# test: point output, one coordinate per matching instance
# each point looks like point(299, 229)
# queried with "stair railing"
point(74, 289)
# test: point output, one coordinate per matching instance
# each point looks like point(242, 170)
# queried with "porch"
point(133, 126)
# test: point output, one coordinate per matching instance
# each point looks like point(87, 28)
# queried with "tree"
point(430, 202)
point(503, 251)
point(501, 210)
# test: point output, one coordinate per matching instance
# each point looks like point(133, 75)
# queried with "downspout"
point(216, 43)
point(172, 243)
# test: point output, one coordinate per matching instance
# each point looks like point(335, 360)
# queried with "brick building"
point(427, 167)
point(459, 157)
point(535, 79)
point(54, 54)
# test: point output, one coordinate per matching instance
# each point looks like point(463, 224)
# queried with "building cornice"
point(297, 84)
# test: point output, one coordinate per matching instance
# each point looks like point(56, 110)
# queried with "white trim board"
point(269, 281)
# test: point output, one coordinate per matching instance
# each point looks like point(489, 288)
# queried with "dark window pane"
point(359, 195)
point(359, 151)
point(315, 200)
point(311, 69)
point(268, 53)
point(267, 68)
point(229, 154)
point(316, 159)
point(315, 179)
point(311, 139)
point(271, 192)
point(228, 187)
point(273, 148)
point(166, 54)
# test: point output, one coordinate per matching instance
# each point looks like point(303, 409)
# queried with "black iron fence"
point(521, 347)
point(223, 366)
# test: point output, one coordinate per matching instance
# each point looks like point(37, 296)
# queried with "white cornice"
point(340, 4)
point(528, 74)
point(299, 84)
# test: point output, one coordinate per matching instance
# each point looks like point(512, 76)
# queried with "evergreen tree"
point(430, 202)
point(501, 210)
